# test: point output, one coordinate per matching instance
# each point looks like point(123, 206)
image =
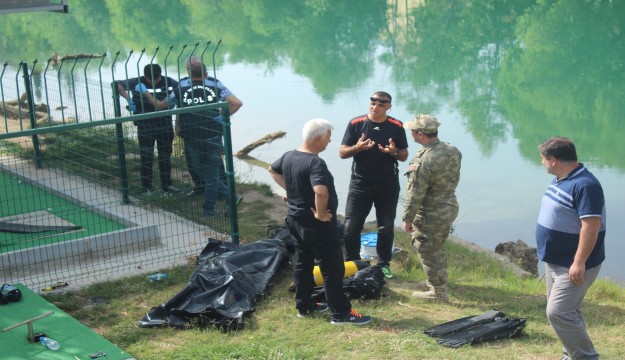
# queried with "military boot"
point(423, 285)
point(434, 293)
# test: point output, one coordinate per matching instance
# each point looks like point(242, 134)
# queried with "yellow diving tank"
point(351, 267)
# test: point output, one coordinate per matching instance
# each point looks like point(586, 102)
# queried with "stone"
point(521, 254)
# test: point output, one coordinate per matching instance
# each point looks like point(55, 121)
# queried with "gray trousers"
point(564, 300)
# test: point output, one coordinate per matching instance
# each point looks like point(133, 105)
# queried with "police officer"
point(431, 205)
point(202, 131)
point(147, 94)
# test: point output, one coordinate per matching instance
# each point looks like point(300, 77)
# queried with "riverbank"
point(477, 284)
point(276, 212)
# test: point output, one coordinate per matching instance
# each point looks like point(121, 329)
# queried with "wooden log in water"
point(55, 58)
point(13, 112)
point(264, 140)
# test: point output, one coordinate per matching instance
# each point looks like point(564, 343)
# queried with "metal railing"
point(72, 208)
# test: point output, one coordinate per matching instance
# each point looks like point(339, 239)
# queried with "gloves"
point(131, 105)
point(141, 88)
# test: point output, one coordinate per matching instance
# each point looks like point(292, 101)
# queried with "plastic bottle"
point(51, 344)
point(156, 277)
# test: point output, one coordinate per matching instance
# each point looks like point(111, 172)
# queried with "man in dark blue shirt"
point(142, 94)
point(570, 240)
point(202, 130)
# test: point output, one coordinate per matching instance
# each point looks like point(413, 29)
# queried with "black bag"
point(365, 284)
point(9, 293)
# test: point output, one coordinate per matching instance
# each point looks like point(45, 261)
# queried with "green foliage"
point(555, 85)
point(542, 68)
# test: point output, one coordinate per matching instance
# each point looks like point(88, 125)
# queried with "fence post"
point(4, 110)
point(31, 114)
point(119, 132)
point(234, 221)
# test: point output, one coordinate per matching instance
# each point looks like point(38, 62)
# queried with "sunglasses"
point(381, 101)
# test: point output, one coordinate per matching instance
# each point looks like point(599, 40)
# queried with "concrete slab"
point(154, 238)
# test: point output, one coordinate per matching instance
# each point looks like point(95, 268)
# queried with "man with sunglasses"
point(376, 142)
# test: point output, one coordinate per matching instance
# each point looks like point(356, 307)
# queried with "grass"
point(477, 284)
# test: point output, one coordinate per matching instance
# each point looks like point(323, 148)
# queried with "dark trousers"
point(360, 199)
point(318, 240)
point(195, 177)
point(197, 180)
point(163, 138)
point(205, 156)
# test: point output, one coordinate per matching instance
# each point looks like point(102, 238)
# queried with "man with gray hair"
point(311, 221)
point(235, 104)
point(431, 205)
point(202, 131)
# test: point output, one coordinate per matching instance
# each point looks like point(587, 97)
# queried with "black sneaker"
point(211, 212)
point(353, 318)
point(195, 192)
point(171, 189)
point(317, 308)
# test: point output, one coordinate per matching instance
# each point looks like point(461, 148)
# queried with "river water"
point(501, 78)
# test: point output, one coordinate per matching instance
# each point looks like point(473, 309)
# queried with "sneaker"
point(171, 189)
point(195, 192)
point(386, 269)
point(317, 308)
point(211, 212)
point(353, 318)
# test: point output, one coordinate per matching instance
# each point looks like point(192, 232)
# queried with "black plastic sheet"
point(223, 288)
point(492, 325)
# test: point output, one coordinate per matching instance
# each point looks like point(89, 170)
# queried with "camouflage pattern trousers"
point(431, 231)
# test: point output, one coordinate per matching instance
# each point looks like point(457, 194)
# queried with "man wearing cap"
point(431, 205)
point(376, 141)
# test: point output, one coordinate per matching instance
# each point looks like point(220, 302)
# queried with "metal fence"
point(73, 208)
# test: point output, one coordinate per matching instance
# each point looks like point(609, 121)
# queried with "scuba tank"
point(351, 267)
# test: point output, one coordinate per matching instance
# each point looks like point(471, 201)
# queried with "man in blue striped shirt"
point(570, 240)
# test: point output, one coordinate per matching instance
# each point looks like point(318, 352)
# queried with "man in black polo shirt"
point(141, 93)
point(311, 220)
point(376, 141)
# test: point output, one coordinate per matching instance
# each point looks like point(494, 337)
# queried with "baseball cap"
point(423, 123)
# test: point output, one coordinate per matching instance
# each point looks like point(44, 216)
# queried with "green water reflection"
point(539, 68)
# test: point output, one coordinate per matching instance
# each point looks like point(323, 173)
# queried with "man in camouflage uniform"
point(431, 205)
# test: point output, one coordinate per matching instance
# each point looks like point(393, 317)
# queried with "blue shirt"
point(564, 204)
point(205, 124)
